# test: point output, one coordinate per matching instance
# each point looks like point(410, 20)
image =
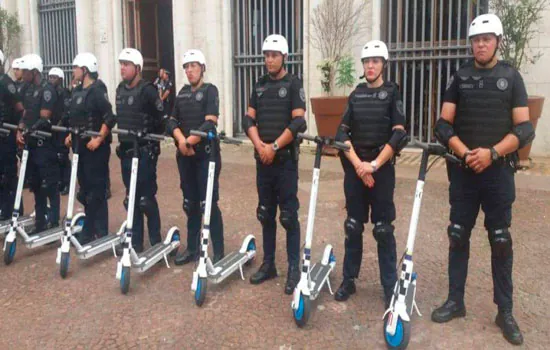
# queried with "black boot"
point(346, 289)
point(218, 257)
point(510, 328)
point(266, 272)
point(446, 312)
point(185, 257)
point(292, 278)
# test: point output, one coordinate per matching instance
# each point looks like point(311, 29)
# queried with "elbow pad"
point(342, 135)
point(444, 131)
point(207, 126)
point(110, 120)
point(171, 125)
point(398, 140)
point(247, 123)
point(297, 125)
point(525, 133)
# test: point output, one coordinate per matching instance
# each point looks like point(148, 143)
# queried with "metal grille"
point(58, 45)
point(428, 42)
point(254, 20)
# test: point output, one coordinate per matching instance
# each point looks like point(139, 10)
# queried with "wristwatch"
point(374, 165)
point(494, 155)
point(275, 146)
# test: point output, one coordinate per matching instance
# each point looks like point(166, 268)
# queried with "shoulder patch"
point(47, 95)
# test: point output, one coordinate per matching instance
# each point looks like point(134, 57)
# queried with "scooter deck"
point(45, 237)
point(98, 246)
point(229, 264)
point(319, 274)
point(26, 221)
point(152, 255)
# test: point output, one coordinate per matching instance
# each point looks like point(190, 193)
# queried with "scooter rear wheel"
point(64, 266)
point(302, 312)
point(200, 292)
point(400, 340)
point(9, 253)
point(125, 280)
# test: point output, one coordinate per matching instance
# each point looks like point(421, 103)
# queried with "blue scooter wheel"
point(200, 292)
point(302, 312)
point(400, 340)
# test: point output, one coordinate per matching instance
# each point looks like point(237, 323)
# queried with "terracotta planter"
point(328, 113)
point(535, 104)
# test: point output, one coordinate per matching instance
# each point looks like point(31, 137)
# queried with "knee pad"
point(147, 205)
point(81, 197)
point(263, 215)
point(353, 227)
point(288, 219)
point(383, 232)
point(501, 242)
point(190, 208)
point(458, 236)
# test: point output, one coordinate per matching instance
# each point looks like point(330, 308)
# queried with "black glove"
point(42, 124)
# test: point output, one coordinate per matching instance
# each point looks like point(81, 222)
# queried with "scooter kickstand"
point(241, 271)
point(329, 286)
point(415, 306)
point(166, 260)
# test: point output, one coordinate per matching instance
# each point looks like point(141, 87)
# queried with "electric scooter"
point(41, 238)
point(26, 221)
point(235, 260)
point(130, 258)
point(397, 318)
point(312, 280)
point(95, 247)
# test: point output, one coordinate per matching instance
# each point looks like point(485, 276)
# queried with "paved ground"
point(87, 311)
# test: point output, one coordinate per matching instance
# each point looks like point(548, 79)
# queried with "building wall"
point(537, 81)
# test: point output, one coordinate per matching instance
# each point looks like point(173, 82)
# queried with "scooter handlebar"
point(308, 137)
point(60, 128)
point(438, 150)
point(341, 146)
point(40, 134)
point(198, 133)
point(4, 132)
point(9, 126)
point(140, 135)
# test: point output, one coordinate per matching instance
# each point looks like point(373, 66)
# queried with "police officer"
point(90, 109)
point(196, 107)
point(55, 77)
point(373, 126)
point(11, 110)
point(39, 101)
point(484, 120)
point(275, 116)
point(139, 108)
point(18, 75)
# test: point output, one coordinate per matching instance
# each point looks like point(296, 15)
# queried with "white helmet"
point(87, 60)
point(194, 56)
point(275, 42)
point(56, 72)
point(16, 63)
point(375, 48)
point(131, 55)
point(2, 58)
point(30, 62)
point(485, 24)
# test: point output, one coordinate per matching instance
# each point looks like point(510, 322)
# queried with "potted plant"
point(336, 23)
point(519, 20)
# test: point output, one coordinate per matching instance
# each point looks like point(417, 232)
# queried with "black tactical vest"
point(191, 107)
point(130, 110)
point(274, 112)
point(6, 108)
point(371, 125)
point(32, 101)
point(59, 108)
point(80, 114)
point(484, 109)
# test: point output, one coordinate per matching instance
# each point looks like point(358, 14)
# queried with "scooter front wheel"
point(125, 280)
point(9, 252)
point(64, 266)
point(200, 292)
point(302, 312)
point(400, 340)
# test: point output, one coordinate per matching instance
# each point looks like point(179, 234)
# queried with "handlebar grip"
point(60, 128)
point(198, 133)
point(341, 146)
point(306, 137)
